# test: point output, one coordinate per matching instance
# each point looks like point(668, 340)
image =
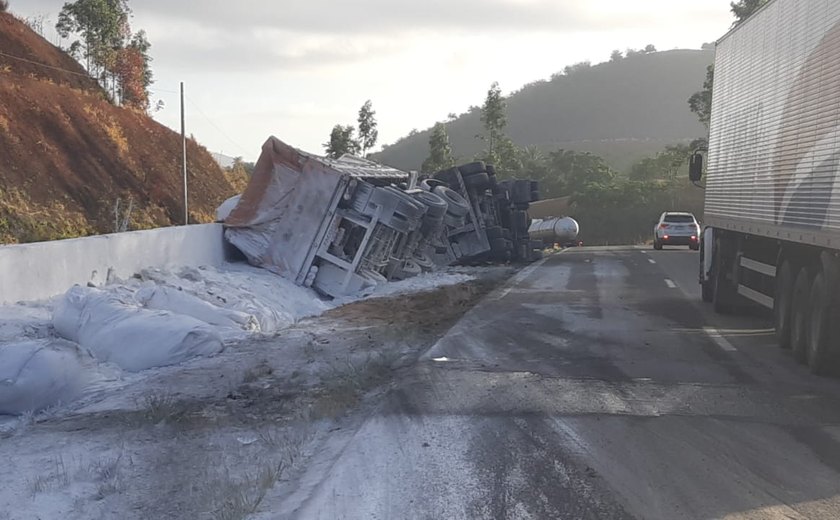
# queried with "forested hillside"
point(622, 110)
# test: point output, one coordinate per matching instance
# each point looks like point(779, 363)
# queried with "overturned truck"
point(341, 226)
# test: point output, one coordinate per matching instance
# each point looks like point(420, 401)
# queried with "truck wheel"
point(477, 181)
point(707, 291)
point(458, 206)
point(821, 332)
point(723, 294)
point(473, 168)
point(435, 204)
point(454, 222)
point(782, 304)
point(520, 192)
point(799, 315)
point(450, 177)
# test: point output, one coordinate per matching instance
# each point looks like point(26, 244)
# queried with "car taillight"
point(663, 226)
point(666, 237)
point(693, 237)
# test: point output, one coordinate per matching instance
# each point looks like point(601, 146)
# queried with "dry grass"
point(115, 133)
point(22, 220)
point(55, 479)
point(238, 500)
point(162, 407)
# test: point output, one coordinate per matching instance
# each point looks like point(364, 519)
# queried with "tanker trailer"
point(555, 230)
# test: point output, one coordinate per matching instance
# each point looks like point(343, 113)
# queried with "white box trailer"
point(772, 195)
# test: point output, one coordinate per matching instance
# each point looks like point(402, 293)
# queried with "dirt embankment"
point(67, 155)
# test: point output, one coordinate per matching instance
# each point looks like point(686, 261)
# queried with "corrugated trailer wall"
point(774, 152)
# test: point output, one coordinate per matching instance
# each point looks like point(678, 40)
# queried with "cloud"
point(372, 16)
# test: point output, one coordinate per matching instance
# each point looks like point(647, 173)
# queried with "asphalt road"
point(594, 385)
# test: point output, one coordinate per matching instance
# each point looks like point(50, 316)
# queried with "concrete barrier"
point(43, 270)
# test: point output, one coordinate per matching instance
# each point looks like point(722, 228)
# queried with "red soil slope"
point(67, 154)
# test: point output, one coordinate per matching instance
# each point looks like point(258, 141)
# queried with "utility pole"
point(184, 158)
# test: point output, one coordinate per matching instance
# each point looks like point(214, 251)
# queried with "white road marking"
point(718, 338)
point(670, 283)
point(651, 260)
point(520, 277)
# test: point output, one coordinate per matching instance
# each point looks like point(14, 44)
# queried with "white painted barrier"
point(46, 269)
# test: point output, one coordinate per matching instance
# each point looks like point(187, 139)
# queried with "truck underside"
point(798, 283)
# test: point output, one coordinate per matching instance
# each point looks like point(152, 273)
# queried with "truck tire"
point(707, 291)
point(458, 206)
point(430, 184)
point(424, 261)
point(821, 333)
point(520, 192)
point(409, 269)
point(472, 168)
point(520, 221)
point(451, 177)
point(436, 205)
point(782, 304)
point(723, 292)
point(478, 181)
point(453, 222)
point(799, 315)
point(408, 206)
point(490, 169)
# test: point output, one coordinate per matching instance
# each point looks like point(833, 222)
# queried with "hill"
point(67, 155)
point(622, 111)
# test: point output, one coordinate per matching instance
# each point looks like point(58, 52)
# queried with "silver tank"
point(560, 230)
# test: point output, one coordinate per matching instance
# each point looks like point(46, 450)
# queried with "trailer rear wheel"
point(821, 333)
point(724, 294)
point(782, 304)
point(799, 315)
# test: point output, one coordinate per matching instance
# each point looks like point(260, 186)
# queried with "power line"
point(239, 146)
point(47, 66)
point(156, 90)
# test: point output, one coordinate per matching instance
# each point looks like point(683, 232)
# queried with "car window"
point(679, 219)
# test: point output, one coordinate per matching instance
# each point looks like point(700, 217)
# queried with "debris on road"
point(343, 226)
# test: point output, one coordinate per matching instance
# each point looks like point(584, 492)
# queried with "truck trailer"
point(772, 210)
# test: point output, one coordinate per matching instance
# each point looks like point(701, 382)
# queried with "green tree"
point(743, 9)
point(650, 48)
point(575, 170)
point(119, 59)
point(103, 28)
point(342, 142)
point(440, 152)
point(500, 151)
point(616, 55)
point(368, 132)
point(493, 118)
point(701, 102)
point(664, 166)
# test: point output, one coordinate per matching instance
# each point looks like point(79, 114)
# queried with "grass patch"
point(56, 478)
point(163, 407)
point(237, 500)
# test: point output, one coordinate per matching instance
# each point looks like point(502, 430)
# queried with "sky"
point(294, 69)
